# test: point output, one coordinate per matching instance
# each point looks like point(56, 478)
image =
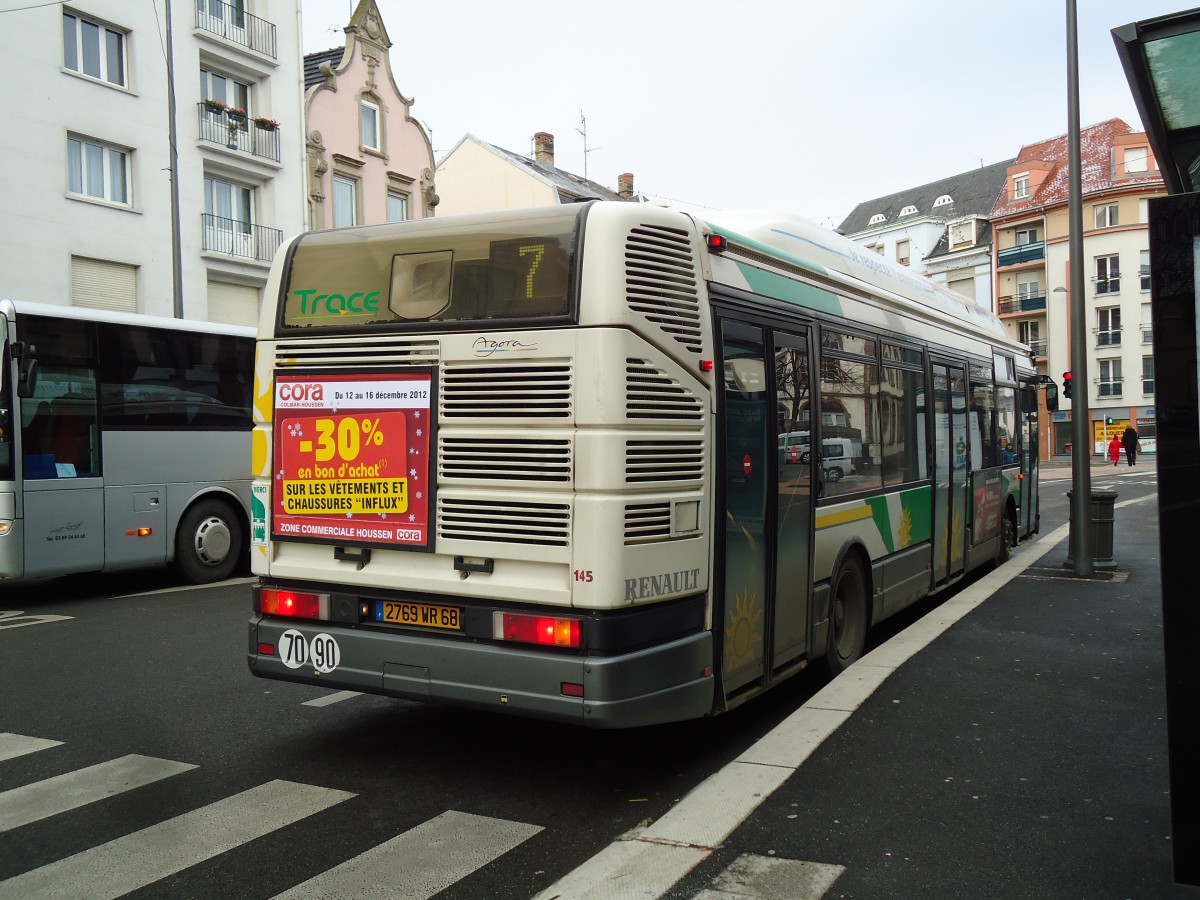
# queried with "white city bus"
point(124, 444)
point(536, 460)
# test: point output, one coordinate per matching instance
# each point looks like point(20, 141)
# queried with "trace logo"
point(485, 346)
point(314, 305)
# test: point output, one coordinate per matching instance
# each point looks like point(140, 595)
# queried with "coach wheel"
point(806, 457)
point(848, 617)
point(209, 542)
point(833, 473)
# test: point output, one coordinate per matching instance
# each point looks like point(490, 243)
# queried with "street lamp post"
point(1081, 451)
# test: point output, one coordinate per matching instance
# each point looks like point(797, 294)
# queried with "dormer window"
point(944, 200)
point(877, 219)
point(1020, 186)
point(962, 234)
point(1137, 160)
point(908, 211)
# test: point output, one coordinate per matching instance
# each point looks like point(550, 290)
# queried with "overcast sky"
point(794, 105)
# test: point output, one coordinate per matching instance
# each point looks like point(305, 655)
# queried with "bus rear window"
point(499, 266)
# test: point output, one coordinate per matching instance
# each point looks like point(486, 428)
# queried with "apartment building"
point(940, 229)
point(1031, 231)
point(160, 152)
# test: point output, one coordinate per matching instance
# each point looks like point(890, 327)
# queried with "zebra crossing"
point(412, 866)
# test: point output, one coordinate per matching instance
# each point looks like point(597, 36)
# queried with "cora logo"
point(301, 393)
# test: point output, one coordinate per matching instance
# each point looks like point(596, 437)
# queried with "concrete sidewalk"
point(1020, 754)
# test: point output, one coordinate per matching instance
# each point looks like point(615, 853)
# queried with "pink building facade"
point(368, 160)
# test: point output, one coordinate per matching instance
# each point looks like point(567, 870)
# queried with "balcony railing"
point(232, 22)
point(1110, 387)
point(240, 238)
point(1022, 303)
point(1038, 349)
point(1022, 253)
point(1147, 334)
point(1108, 285)
point(237, 133)
point(1109, 338)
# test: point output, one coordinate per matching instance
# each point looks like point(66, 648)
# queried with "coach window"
point(850, 447)
point(901, 390)
point(61, 439)
point(982, 422)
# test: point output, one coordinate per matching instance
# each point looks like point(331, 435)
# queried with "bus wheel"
point(848, 617)
point(1008, 540)
point(209, 542)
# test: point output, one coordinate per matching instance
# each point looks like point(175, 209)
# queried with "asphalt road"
point(138, 757)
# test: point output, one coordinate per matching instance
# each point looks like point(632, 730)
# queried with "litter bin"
point(1102, 506)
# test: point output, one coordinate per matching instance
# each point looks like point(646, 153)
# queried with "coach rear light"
point(293, 604)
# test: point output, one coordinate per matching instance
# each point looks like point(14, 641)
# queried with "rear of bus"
point(480, 454)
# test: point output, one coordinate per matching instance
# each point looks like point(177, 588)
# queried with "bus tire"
point(847, 616)
point(1008, 539)
point(208, 543)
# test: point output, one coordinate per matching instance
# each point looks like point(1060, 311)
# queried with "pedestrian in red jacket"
point(1114, 450)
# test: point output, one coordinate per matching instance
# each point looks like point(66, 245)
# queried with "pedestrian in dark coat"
point(1130, 441)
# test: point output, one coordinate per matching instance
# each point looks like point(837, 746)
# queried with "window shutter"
point(100, 284)
point(232, 304)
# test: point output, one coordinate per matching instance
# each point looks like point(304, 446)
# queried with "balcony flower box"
point(266, 124)
point(214, 105)
point(235, 113)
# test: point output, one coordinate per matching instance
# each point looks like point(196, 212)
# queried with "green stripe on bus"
point(903, 519)
point(771, 285)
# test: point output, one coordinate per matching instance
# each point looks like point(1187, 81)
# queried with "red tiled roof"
point(1095, 146)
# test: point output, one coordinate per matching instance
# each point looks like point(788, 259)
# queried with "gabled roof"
point(312, 65)
point(972, 193)
point(570, 188)
point(1096, 168)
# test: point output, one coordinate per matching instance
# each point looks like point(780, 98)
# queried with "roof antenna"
point(586, 149)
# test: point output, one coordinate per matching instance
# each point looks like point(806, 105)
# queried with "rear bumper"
point(663, 683)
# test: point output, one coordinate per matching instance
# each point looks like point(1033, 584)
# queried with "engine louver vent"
point(664, 460)
point(505, 522)
point(497, 459)
point(360, 351)
point(645, 522)
point(661, 282)
point(651, 393)
point(529, 390)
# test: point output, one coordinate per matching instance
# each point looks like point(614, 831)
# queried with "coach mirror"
point(27, 370)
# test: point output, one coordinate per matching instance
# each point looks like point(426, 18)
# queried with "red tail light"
point(293, 604)
point(545, 630)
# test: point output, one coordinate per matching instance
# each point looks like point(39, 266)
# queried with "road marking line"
point(14, 745)
point(34, 802)
point(752, 877)
point(329, 699)
point(420, 862)
point(136, 860)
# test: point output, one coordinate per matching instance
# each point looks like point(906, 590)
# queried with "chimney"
point(625, 185)
point(543, 148)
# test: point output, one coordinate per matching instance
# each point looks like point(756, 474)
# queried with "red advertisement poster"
point(352, 460)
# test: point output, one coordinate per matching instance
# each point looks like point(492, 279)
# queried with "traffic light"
point(1067, 385)
point(1108, 420)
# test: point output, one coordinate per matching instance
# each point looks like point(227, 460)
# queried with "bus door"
point(1028, 413)
point(764, 606)
point(950, 463)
